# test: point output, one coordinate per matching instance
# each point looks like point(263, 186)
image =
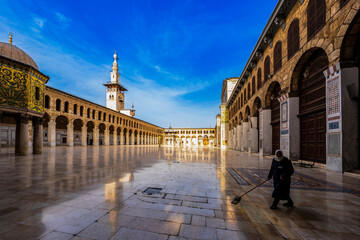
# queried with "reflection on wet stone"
point(98, 193)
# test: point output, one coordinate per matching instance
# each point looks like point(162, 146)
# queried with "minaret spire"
point(115, 76)
point(115, 97)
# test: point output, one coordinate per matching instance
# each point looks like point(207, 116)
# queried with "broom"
point(237, 199)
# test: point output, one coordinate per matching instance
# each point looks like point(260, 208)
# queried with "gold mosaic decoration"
point(18, 89)
point(13, 86)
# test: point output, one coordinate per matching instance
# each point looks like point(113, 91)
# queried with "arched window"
point(93, 114)
point(277, 57)
point(113, 121)
point(99, 115)
point(249, 91)
point(245, 96)
point(109, 117)
point(88, 113)
point(75, 109)
point(316, 17)
point(47, 102)
point(104, 117)
point(58, 105)
point(81, 111)
point(242, 100)
point(259, 80)
point(117, 120)
point(267, 69)
point(293, 38)
point(253, 86)
point(66, 107)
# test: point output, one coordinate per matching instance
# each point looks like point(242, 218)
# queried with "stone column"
point(345, 154)
point(230, 138)
point(38, 136)
point(290, 127)
point(127, 138)
point(84, 135)
point(106, 137)
point(70, 134)
point(239, 136)
point(23, 136)
point(133, 138)
point(265, 143)
point(254, 141)
point(115, 142)
point(96, 136)
point(52, 133)
point(30, 135)
point(138, 139)
point(235, 138)
point(122, 138)
point(224, 125)
point(246, 136)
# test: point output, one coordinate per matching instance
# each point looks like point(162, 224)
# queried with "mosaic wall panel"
point(18, 89)
point(13, 87)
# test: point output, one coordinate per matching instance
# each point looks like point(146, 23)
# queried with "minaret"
point(115, 98)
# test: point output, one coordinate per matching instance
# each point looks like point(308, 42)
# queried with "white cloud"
point(61, 17)
point(39, 21)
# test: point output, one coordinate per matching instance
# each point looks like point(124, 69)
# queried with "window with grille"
point(267, 69)
point(316, 17)
point(293, 38)
point(253, 86)
point(259, 79)
point(277, 57)
point(66, 107)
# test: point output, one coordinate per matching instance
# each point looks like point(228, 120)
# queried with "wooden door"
point(313, 109)
point(275, 123)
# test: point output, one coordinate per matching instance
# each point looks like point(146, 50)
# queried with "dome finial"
point(10, 37)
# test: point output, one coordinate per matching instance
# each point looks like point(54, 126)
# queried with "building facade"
point(227, 89)
point(192, 137)
point(299, 90)
point(33, 114)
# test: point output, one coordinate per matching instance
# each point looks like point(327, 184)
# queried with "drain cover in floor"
point(151, 190)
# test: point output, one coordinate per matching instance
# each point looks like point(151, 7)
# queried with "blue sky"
point(173, 55)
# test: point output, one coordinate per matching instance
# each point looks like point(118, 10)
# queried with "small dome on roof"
point(14, 53)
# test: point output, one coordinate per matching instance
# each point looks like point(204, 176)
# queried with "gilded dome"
point(14, 53)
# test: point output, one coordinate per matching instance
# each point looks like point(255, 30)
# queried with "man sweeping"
point(281, 171)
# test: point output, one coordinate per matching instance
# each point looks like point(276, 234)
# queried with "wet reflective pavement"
point(98, 193)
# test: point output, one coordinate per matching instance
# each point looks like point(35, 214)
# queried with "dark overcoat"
point(283, 168)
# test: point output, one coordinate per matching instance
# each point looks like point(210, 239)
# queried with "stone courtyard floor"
point(98, 193)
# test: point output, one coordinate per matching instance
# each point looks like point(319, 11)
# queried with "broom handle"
point(255, 187)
